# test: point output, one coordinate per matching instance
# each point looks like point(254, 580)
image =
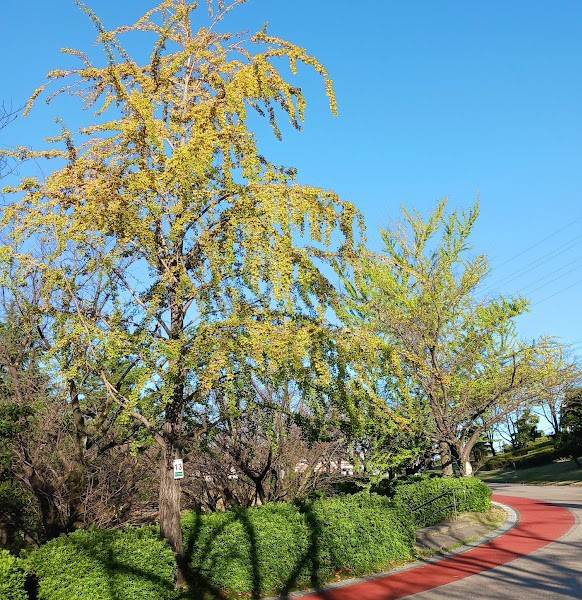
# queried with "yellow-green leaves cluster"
point(167, 236)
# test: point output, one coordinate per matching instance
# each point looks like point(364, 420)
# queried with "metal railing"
point(453, 504)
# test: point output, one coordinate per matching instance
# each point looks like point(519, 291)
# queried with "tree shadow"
point(311, 560)
point(306, 570)
point(114, 570)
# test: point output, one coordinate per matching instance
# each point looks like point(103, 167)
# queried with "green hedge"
point(470, 495)
point(384, 487)
point(11, 578)
point(133, 564)
point(359, 534)
point(256, 550)
point(278, 547)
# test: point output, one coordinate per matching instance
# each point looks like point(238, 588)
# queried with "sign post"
point(178, 469)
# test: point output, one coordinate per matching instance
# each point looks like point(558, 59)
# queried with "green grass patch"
point(535, 454)
point(564, 472)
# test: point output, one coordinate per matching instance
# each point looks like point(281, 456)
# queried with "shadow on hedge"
point(272, 549)
point(113, 569)
point(307, 568)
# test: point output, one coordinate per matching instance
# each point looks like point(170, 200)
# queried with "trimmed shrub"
point(133, 564)
point(247, 551)
point(11, 578)
point(278, 547)
point(470, 495)
point(360, 533)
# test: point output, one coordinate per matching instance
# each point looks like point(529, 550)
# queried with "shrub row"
point(470, 494)
point(257, 551)
point(134, 564)
point(278, 547)
point(245, 551)
point(384, 487)
point(11, 578)
point(362, 533)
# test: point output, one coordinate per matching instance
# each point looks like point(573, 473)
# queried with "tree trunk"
point(49, 512)
point(465, 460)
point(466, 468)
point(446, 459)
point(555, 419)
point(492, 448)
point(169, 516)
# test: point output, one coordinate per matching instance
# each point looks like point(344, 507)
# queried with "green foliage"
point(266, 549)
point(570, 440)
point(383, 487)
point(457, 367)
point(360, 533)
point(167, 181)
point(257, 550)
point(133, 564)
point(174, 181)
point(470, 495)
point(534, 454)
point(526, 428)
point(15, 514)
point(11, 578)
point(276, 547)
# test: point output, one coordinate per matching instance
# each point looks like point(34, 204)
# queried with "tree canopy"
point(167, 244)
point(457, 353)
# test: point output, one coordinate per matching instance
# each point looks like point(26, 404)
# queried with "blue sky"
point(436, 99)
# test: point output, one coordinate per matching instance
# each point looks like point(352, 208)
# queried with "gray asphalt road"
point(554, 571)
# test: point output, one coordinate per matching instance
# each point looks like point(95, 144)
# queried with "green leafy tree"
point(569, 441)
point(455, 353)
point(203, 252)
point(526, 428)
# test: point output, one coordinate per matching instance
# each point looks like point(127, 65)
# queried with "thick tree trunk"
point(172, 432)
point(466, 468)
point(446, 459)
point(465, 459)
point(169, 516)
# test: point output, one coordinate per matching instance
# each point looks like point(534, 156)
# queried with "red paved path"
point(539, 524)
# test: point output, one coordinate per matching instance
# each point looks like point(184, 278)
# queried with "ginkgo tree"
point(458, 352)
point(203, 252)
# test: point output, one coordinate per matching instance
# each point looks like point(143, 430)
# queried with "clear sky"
point(436, 99)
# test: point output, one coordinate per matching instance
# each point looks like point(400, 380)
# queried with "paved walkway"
point(540, 558)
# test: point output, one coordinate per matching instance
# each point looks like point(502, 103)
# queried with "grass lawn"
point(560, 473)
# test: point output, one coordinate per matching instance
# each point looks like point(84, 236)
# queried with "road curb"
point(512, 520)
point(539, 524)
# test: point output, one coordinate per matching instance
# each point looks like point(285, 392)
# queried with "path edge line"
point(511, 521)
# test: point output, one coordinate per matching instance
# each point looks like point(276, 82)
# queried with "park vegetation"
point(166, 294)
